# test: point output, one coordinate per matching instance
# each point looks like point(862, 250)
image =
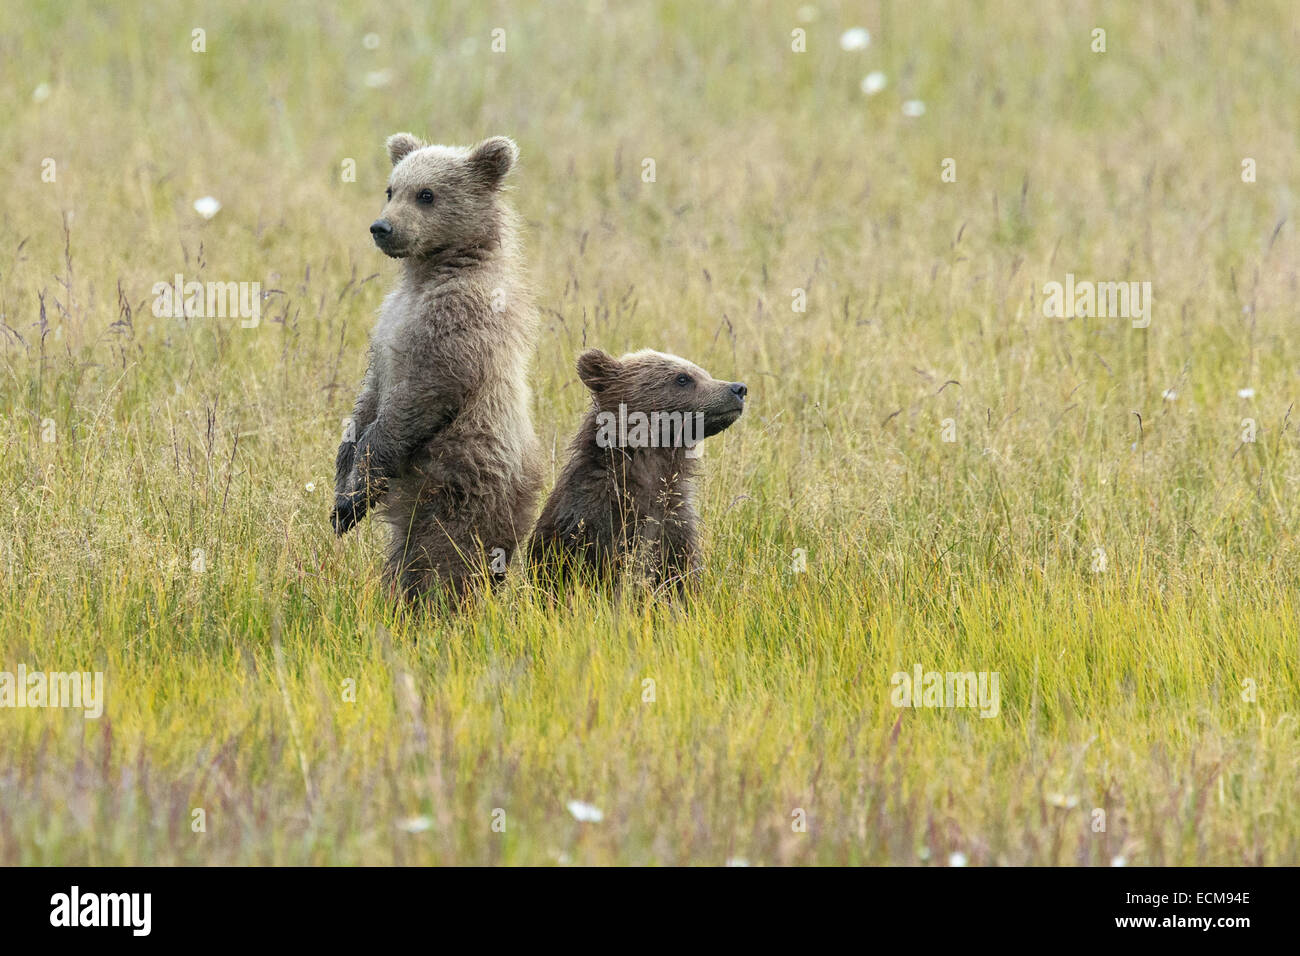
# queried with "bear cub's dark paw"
point(347, 511)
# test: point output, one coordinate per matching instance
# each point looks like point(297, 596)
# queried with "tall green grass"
point(279, 692)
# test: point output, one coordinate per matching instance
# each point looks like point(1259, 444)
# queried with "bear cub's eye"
point(426, 196)
point(683, 379)
point(389, 191)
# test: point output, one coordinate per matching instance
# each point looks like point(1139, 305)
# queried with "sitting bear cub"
point(441, 442)
point(623, 502)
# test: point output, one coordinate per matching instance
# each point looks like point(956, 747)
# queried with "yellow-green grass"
point(1159, 684)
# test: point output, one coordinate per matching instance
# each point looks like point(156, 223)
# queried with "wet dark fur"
point(625, 510)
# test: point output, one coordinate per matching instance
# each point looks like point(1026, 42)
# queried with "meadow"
point(932, 472)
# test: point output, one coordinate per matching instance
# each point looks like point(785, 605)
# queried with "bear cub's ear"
point(493, 158)
point(400, 145)
point(598, 370)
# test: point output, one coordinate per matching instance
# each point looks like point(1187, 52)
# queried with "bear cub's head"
point(648, 382)
point(442, 197)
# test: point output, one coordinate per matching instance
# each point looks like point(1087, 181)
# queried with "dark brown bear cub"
point(623, 503)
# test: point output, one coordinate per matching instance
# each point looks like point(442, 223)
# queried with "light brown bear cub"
point(442, 442)
point(623, 503)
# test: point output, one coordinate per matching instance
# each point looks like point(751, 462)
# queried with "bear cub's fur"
point(623, 503)
point(441, 443)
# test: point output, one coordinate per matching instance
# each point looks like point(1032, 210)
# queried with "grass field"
point(1092, 524)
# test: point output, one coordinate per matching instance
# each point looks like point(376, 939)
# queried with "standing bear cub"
point(623, 503)
point(441, 442)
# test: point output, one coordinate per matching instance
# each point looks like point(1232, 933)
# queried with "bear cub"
point(623, 503)
point(441, 443)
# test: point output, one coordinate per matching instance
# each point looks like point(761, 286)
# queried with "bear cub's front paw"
point(347, 511)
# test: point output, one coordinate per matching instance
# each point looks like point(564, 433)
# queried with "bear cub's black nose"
point(380, 228)
point(739, 390)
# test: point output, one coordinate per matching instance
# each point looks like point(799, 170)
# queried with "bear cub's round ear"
point(400, 145)
point(493, 158)
point(597, 369)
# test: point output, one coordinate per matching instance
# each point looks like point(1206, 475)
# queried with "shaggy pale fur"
point(444, 447)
